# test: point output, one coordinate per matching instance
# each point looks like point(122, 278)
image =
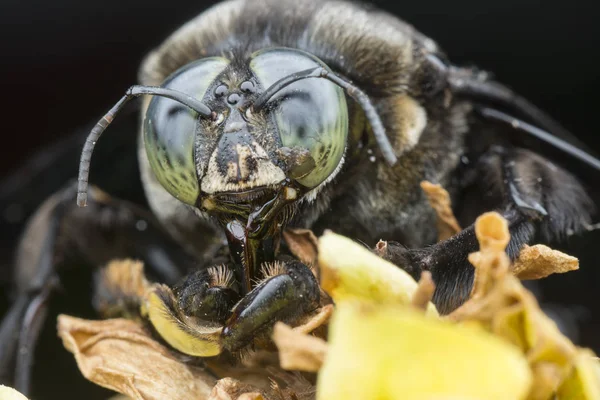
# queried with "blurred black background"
point(65, 62)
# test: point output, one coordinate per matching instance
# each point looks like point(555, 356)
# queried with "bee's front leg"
point(539, 200)
point(208, 294)
point(290, 291)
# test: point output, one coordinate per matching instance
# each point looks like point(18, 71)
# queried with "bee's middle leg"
point(60, 233)
point(538, 199)
point(289, 293)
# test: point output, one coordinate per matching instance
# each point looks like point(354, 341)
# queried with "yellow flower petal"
point(391, 352)
point(8, 393)
point(584, 382)
point(349, 271)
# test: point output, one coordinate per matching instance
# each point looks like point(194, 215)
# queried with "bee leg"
point(33, 321)
point(19, 331)
point(22, 324)
point(207, 294)
point(291, 293)
point(59, 234)
point(539, 200)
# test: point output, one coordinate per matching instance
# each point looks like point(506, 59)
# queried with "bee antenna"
point(132, 92)
point(547, 137)
point(358, 95)
point(476, 84)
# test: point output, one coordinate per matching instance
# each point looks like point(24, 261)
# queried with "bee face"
point(299, 136)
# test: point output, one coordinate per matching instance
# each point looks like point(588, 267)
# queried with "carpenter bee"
point(257, 116)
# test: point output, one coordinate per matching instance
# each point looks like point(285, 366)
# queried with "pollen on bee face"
point(239, 163)
point(208, 204)
point(290, 193)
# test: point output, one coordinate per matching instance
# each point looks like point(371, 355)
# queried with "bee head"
point(262, 136)
point(229, 136)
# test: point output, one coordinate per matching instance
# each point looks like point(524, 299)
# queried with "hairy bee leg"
point(538, 199)
point(284, 297)
point(207, 294)
point(105, 230)
point(448, 260)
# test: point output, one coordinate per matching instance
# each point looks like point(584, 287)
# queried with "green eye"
point(170, 129)
point(311, 114)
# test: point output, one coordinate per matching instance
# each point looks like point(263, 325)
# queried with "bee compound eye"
point(312, 120)
point(170, 129)
point(311, 114)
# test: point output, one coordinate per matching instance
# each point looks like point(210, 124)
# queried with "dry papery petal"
point(232, 389)
point(439, 199)
point(264, 376)
point(316, 320)
point(251, 396)
point(502, 305)
point(424, 293)
point(298, 351)
point(539, 261)
point(120, 355)
point(303, 244)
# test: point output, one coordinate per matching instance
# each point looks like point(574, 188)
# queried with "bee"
point(257, 116)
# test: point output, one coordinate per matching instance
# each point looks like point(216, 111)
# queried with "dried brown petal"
point(439, 199)
point(297, 351)
point(303, 244)
point(120, 355)
point(502, 305)
point(251, 396)
point(316, 320)
point(232, 389)
point(539, 261)
point(297, 387)
point(261, 370)
point(424, 292)
point(381, 249)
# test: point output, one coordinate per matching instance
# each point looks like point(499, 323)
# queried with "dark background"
point(65, 62)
